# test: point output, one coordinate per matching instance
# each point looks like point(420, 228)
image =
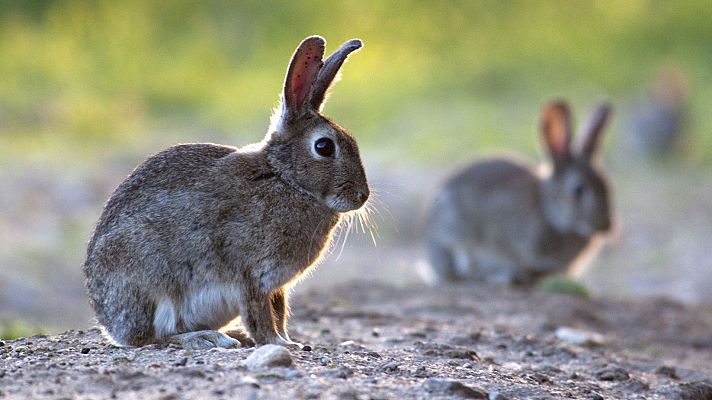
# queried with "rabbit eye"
point(578, 191)
point(325, 147)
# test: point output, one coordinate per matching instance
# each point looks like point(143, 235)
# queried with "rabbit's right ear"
point(591, 131)
point(301, 75)
point(556, 130)
point(327, 75)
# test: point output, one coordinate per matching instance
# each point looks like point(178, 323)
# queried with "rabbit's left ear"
point(556, 131)
point(590, 132)
point(329, 71)
point(301, 76)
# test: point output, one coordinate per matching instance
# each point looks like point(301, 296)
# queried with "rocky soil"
point(372, 341)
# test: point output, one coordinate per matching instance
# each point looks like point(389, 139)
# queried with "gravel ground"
point(373, 341)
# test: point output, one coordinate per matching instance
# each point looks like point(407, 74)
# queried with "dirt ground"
point(373, 341)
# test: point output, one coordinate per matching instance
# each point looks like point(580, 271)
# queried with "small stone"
point(182, 362)
point(269, 355)
point(375, 333)
point(696, 390)
point(85, 350)
point(579, 337)
point(636, 386)
point(389, 367)
point(2, 343)
point(613, 374)
point(306, 347)
point(250, 380)
point(449, 387)
point(421, 372)
point(596, 396)
point(324, 361)
point(665, 370)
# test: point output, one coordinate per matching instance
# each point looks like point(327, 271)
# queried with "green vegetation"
point(564, 285)
point(15, 328)
point(138, 74)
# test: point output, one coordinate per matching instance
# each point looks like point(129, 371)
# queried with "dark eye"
point(325, 147)
point(578, 191)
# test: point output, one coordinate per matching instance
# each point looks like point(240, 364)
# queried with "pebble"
point(250, 380)
point(421, 372)
point(269, 355)
point(448, 387)
point(613, 374)
point(182, 362)
point(579, 337)
point(665, 370)
point(696, 390)
point(390, 367)
point(85, 350)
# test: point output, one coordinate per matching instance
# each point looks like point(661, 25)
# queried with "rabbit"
point(508, 222)
point(657, 122)
point(200, 234)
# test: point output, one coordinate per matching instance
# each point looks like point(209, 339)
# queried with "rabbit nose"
point(362, 196)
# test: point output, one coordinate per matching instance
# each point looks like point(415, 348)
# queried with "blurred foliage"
point(16, 328)
point(564, 285)
point(98, 73)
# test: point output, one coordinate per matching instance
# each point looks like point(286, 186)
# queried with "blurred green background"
point(88, 88)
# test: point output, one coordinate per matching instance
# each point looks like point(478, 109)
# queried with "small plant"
point(563, 284)
point(16, 328)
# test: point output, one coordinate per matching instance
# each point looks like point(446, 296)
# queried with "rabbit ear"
point(556, 130)
point(328, 72)
point(591, 130)
point(301, 75)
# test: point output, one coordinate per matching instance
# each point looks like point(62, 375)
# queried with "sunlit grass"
point(109, 70)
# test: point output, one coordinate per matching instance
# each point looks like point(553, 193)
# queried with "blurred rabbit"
point(501, 221)
point(657, 122)
point(200, 234)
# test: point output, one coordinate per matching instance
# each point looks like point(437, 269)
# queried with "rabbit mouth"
point(342, 203)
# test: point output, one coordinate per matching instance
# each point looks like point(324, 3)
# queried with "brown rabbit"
point(503, 221)
point(200, 234)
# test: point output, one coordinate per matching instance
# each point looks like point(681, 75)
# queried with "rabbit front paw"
point(202, 340)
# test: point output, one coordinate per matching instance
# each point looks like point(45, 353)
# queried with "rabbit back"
point(483, 220)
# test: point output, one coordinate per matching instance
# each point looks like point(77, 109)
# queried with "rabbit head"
point(575, 196)
point(307, 150)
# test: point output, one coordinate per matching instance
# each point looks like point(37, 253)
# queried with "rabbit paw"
point(290, 344)
point(241, 335)
point(201, 340)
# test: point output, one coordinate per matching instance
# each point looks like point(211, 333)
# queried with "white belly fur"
point(211, 306)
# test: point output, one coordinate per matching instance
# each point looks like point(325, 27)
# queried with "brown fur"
point(201, 233)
